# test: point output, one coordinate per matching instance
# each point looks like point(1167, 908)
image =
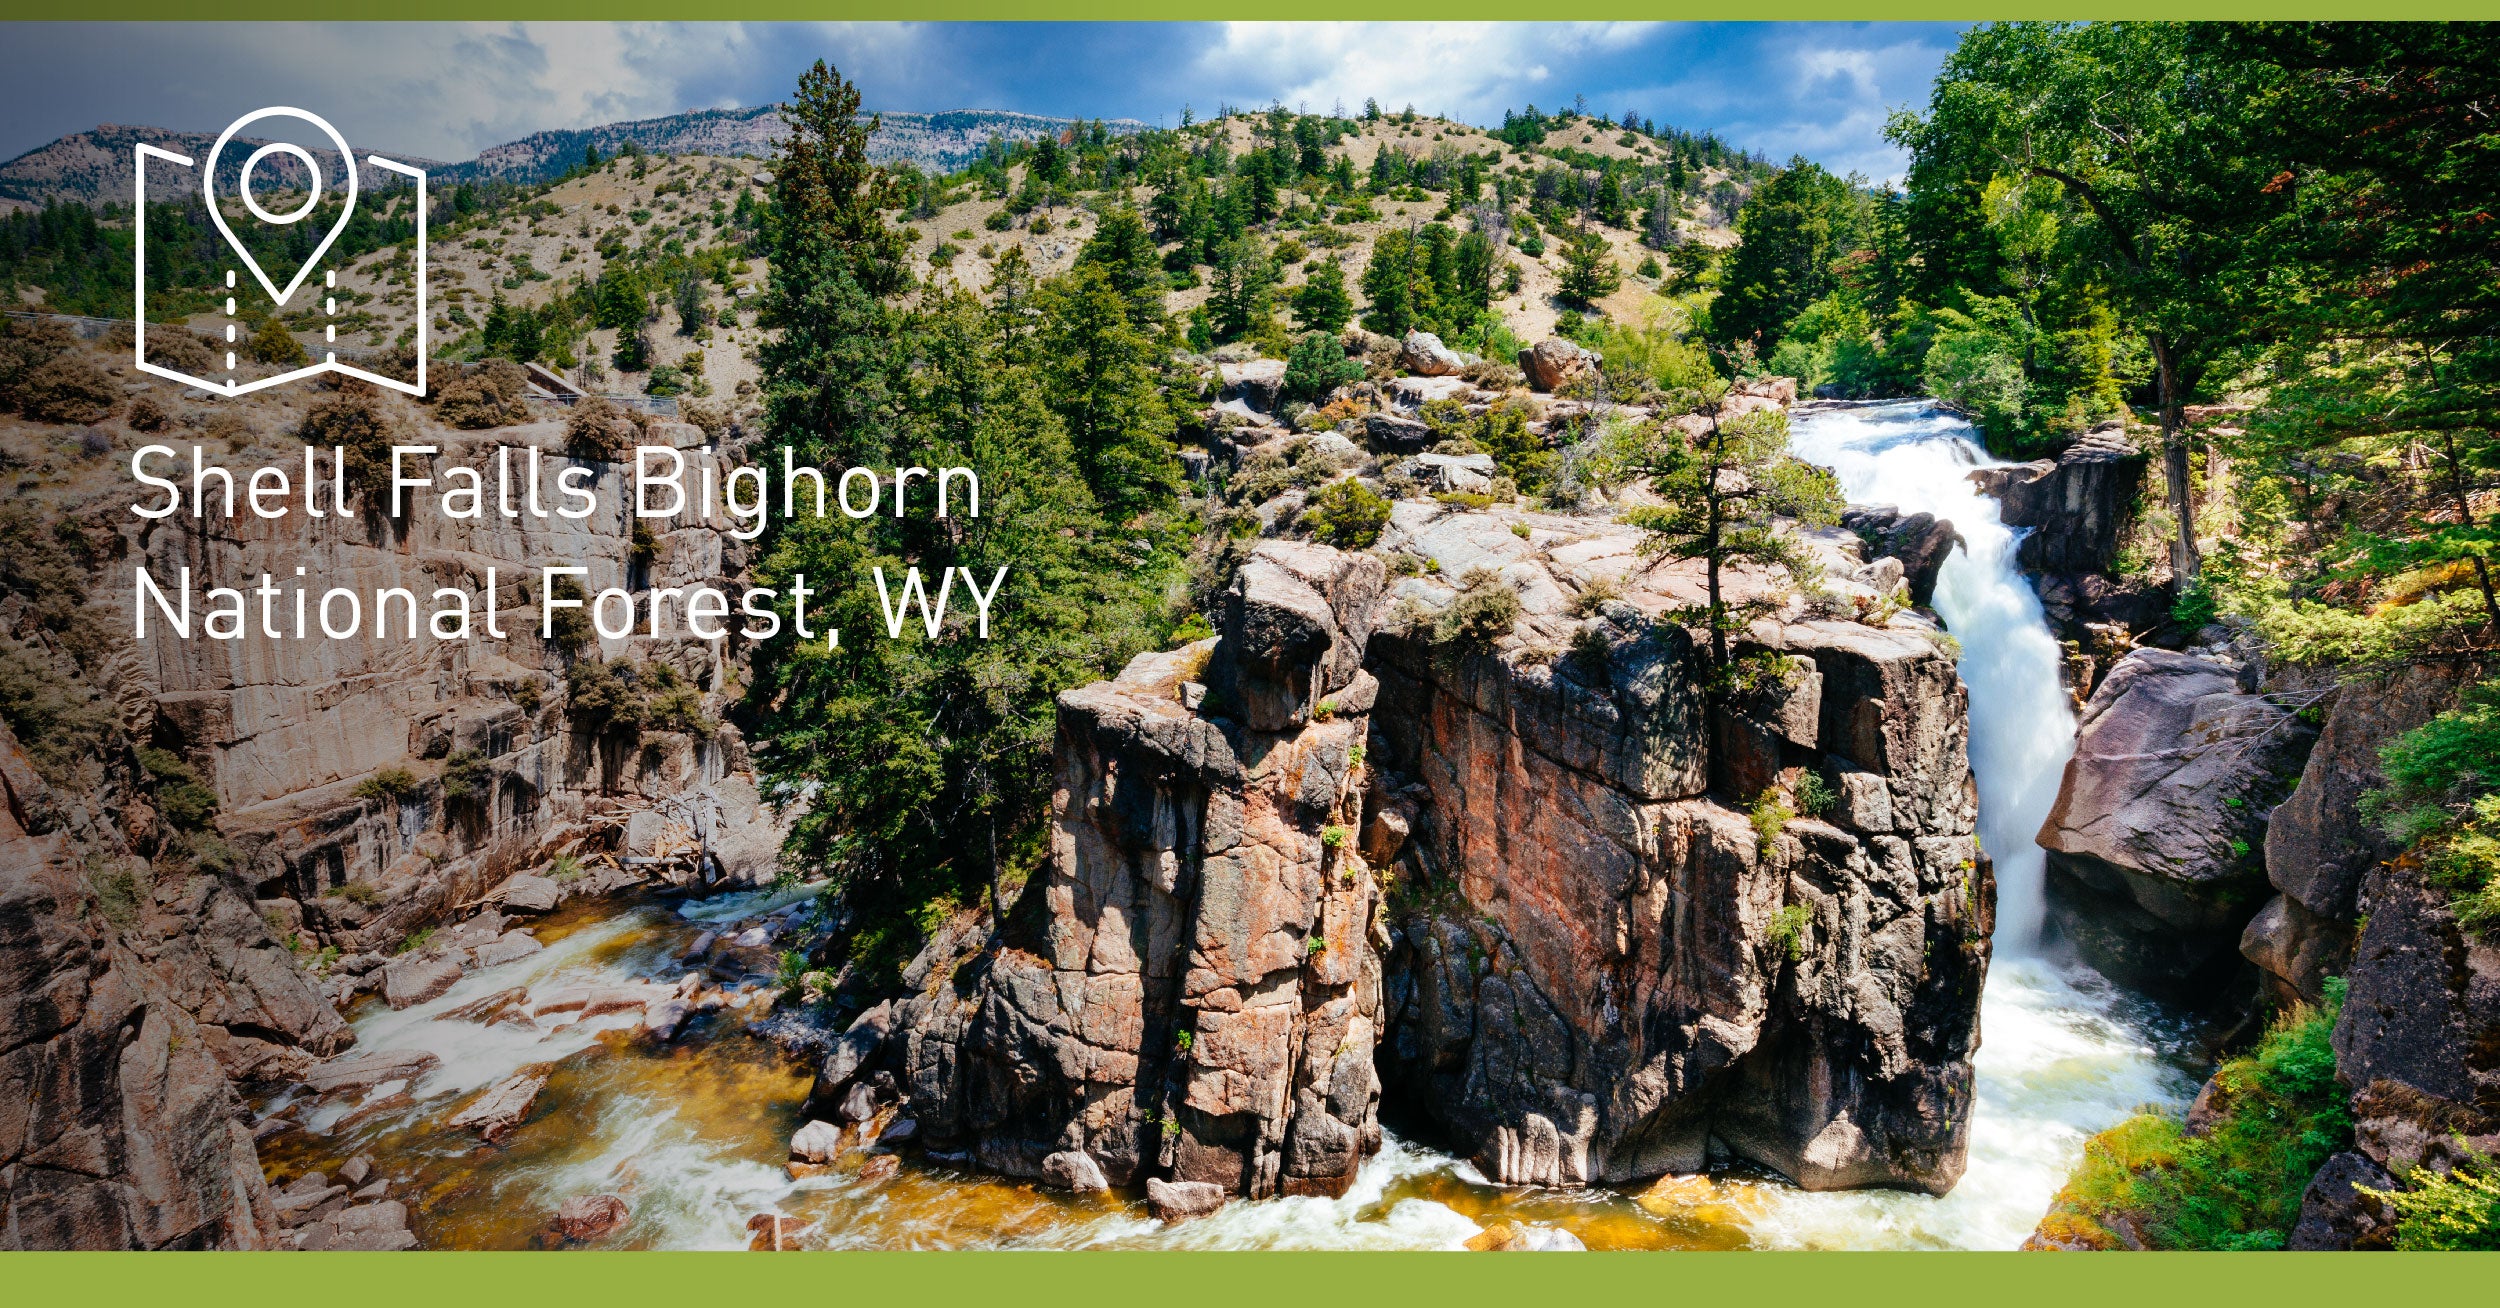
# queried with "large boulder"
point(1295, 621)
point(1554, 362)
point(1423, 354)
point(1921, 541)
point(1255, 384)
point(2152, 843)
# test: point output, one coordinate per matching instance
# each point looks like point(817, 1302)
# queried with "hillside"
point(550, 251)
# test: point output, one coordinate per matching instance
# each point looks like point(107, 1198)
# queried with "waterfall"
point(2022, 726)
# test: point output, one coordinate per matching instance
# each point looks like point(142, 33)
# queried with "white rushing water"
point(2063, 1054)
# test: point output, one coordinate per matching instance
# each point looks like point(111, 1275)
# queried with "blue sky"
point(446, 90)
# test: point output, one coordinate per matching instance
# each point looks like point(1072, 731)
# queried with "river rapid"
point(693, 1134)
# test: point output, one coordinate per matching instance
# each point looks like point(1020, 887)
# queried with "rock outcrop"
point(2153, 842)
point(2319, 844)
point(118, 1127)
point(1633, 977)
point(1921, 541)
point(2078, 504)
point(1192, 990)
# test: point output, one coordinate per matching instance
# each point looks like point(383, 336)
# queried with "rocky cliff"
point(1629, 964)
point(1589, 921)
point(1192, 991)
point(254, 825)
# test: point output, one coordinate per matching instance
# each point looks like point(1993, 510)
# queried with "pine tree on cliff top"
point(1725, 490)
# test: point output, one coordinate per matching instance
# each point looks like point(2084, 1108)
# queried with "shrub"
point(183, 352)
point(393, 784)
point(147, 415)
point(572, 626)
point(353, 423)
point(466, 775)
point(1594, 595)
point(2458, 1209)
point(1482, 613)
point(60, 721)
point(1771, 816)
point(1788, 931)
point(1333, 836)
point(1814, 795)
point(602, 694)
point(603, 430)
point(711, 419)
point(1348, 515)
point(68, 388)
point(483, 395)
point(1318, 365)
point(357, 892)
point(272, 343)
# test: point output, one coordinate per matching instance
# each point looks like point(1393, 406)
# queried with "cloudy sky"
point(447, 90)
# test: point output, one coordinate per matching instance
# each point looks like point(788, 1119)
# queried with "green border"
point(1038, 1280)
point(1126, 10)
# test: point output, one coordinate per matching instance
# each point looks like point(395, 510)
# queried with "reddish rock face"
point(1192, 991)
point(1637, 971)
point(118, 1129)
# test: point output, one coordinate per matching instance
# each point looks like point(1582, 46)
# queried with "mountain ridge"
point(96, 165)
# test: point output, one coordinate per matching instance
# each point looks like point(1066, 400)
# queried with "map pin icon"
point(243, 183)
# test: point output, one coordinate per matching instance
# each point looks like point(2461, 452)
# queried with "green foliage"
point(1317, 366)
point(2442, 797)
point(926, 761)
point(467, 775)
point(1482, 612)
point(2238, 1186)
point(1589, 273)
point(1725, 492)
point(1333, 836)
point(392, 784)
point(1770, 816)
point(1321, 303)
point(1788, 234)
point(1348, 515)
point(59, 719)
point(1814, 795)
point(2452, 1210)
point(1788, 931)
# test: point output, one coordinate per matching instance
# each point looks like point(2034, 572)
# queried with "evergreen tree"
point(833, 374)
point(1125, 252)
point(1589, 272)
point(1321, 302)
point(1240, 291)
point(1723, 492)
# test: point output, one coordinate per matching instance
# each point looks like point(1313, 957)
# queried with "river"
point(692, 1134)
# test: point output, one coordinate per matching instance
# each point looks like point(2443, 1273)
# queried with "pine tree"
point(1125, 251)
point(1239, 298)
point(833, 373)
point(1589, 272)
point(1321, 302)
point(1722, 494)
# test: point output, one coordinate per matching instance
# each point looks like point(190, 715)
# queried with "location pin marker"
point(243, 183)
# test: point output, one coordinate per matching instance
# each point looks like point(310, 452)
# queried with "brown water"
point(693, 1136)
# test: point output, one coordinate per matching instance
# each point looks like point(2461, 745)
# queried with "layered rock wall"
point(1192, 990)
point(1634, 977)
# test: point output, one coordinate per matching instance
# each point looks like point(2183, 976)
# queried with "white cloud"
point(1468, 71)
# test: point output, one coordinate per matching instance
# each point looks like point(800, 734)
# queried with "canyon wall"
point(1545, 885)
point(183, 913)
